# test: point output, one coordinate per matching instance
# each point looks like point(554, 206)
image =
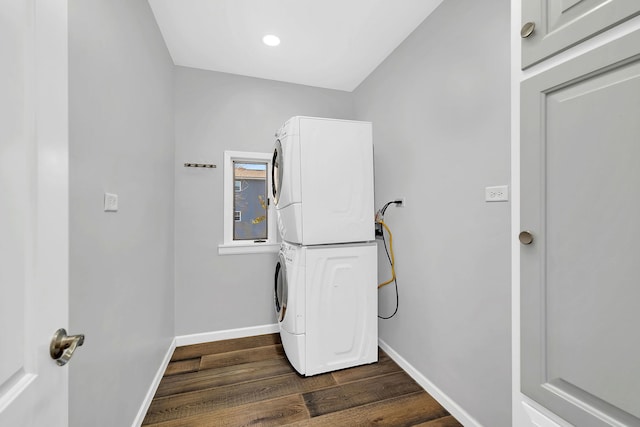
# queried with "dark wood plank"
point(277, 412)
point(220, 360)
point(447, 421)
point(197, 350)
point(198, 402)
point(227, 375)
point(358, 393)
point(403, 411)
point(182, 366)
point(384, 366)
point(248, 381)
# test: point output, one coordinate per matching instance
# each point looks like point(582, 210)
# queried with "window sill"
point(248, 248)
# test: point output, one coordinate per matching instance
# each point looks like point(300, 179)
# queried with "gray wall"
point(121, 268)
point(217, 112)
point(440, 108)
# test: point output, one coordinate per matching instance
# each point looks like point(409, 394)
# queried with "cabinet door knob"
point(527, 29)
point(525, 237)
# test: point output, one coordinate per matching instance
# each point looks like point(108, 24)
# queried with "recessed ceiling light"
point(271, 40)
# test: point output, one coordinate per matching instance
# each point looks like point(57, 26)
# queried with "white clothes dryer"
point(326, 302)
point(322, 181)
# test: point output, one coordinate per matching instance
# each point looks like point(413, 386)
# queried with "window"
point(249, 218)
point(250, 200)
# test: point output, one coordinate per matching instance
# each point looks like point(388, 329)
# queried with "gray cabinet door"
point(580, 277)
point(561, 24)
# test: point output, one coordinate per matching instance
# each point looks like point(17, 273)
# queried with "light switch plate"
point(110, 202)
point(499, 193)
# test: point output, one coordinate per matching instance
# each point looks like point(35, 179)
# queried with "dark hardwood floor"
point(249, 382)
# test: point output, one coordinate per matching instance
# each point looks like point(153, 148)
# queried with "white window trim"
point(231, 247)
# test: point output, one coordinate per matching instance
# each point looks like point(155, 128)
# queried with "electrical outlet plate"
point(378, 230)
point(499, 193)
point(110, 202)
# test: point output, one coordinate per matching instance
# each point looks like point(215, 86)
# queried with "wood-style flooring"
point(249, 382)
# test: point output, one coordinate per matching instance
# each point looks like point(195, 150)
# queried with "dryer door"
point(276, 172)
point(281, 288)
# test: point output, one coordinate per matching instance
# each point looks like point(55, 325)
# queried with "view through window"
point(250, 203)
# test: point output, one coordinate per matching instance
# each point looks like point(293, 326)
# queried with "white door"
point(580, 207)
point(562, 24)
point(33, 210)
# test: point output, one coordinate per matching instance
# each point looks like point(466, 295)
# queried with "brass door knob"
point(527, 29)
point(525, 237)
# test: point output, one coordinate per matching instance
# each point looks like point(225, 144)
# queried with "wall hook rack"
point(199, 165)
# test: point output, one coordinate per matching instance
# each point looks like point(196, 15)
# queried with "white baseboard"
point(154, 385)
point(541, 416)
point(226, 334)
point(449, 404)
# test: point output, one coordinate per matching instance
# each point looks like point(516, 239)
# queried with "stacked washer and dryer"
point(326, 274)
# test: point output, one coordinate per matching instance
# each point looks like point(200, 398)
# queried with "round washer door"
point(281, 288)
point(276, 172)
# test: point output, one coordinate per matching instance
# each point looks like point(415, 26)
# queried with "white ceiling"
point(332, 44)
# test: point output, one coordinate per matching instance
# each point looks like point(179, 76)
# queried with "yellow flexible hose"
point(393, 262)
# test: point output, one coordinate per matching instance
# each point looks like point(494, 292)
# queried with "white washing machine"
point(326, 300)
point(322, 182)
